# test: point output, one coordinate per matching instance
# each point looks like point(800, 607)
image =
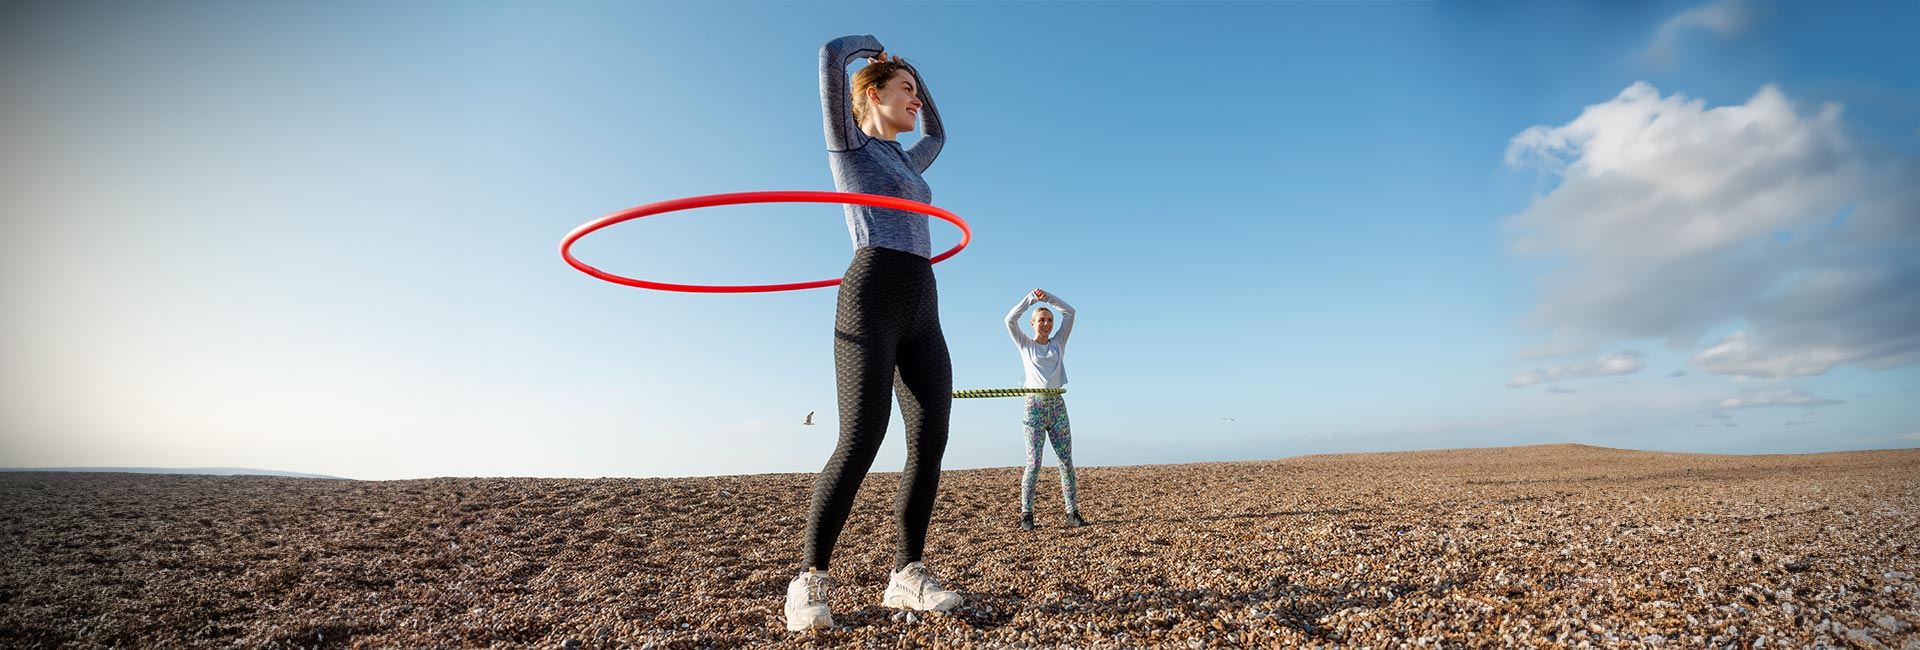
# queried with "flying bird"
point(809, 421)
point(1227, 419)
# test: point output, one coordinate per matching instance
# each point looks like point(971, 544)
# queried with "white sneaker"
point(807, 602)
point(913, 587)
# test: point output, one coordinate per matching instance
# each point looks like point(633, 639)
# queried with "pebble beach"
point(1543, 546)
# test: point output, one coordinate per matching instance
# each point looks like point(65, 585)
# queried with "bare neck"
point(874, 128)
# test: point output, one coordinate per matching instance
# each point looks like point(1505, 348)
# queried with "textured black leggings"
point(886, 335)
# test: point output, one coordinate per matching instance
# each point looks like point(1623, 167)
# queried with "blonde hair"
point(872, 76)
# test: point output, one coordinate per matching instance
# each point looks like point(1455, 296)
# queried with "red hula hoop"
point(741, 198)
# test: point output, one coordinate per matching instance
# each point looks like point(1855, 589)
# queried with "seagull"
point(1227, 419)
point(809, 421)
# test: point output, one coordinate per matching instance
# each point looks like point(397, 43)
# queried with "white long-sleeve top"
point(1045, 365)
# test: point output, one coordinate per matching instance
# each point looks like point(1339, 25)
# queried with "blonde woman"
point(886, 327)
point(1043, 356)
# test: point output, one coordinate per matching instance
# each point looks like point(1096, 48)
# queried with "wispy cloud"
point(1776, 396)
point(1726, 19)
point(1625, 362)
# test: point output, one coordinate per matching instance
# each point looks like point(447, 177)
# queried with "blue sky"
point(322, 237)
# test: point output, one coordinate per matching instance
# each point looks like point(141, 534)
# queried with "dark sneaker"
point(1074, 520)
point(1026, 521)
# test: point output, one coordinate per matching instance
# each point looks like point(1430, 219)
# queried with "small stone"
point(1892, 624)
point(1860, 638)
point(571, 643)
point(1798, 566)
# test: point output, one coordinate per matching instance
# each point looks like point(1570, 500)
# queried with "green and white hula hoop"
point(1006, 392)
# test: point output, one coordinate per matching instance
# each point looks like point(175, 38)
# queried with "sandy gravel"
point(1559, 545)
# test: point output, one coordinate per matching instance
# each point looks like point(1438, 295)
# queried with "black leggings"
point(886, 334)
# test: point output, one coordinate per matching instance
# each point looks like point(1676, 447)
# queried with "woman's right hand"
point(1039, 295)
point(878, 59)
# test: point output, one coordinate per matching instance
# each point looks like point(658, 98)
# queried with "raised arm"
point(1066, 317)
point(836, 91)
point(1013, 317)
point(933, 134)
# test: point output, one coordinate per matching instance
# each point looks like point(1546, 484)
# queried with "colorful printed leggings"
point(1047, 418)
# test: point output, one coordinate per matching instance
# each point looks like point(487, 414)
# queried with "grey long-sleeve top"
point(869, 165)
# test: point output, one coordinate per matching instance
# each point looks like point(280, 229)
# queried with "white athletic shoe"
point(807, 602)
point(913, 587)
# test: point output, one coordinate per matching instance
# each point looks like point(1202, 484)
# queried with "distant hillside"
point(216, 471)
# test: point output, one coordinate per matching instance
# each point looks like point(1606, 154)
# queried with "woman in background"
point(1044, 357)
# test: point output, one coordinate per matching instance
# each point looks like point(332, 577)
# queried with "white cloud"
point(1625, 362)
point(1827, 317)
point(1676, 374)
point(1775, 396)
point(1560, 391)
point(1915, 436)
point(1673, 218)
point(1726, 19)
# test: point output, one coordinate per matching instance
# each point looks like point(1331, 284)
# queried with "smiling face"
point(1042, 322)
point(896, 103)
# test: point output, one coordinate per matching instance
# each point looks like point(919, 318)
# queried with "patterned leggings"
point(886, 336)
point(1047, 418)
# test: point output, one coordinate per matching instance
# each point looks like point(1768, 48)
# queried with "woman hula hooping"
point(886, 326)
point(1043, 356)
